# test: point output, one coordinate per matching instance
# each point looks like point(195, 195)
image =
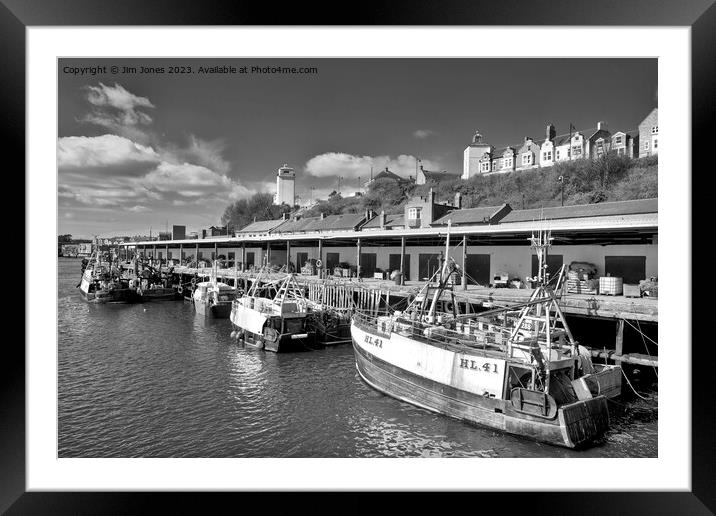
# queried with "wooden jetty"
point(376, 295)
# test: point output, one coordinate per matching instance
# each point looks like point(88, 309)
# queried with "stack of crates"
point(579, 282)
point(611, 286)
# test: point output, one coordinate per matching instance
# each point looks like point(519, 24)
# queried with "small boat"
point(515, 369)
point(103, 283)
point(277, 323)
point(213, 299)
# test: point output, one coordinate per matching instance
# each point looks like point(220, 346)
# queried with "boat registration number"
point(487, 367)
point(374, 341)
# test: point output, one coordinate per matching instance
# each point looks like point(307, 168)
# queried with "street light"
point(561, 183)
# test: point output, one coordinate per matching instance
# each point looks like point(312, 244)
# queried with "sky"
point(146, 148)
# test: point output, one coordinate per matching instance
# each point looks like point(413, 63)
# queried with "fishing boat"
point(153, 285)
point(516, 369)
point(213, 298)
point(275, 323)
point(103, 283)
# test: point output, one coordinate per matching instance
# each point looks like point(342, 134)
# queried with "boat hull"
point(217, 311)
point(573, 425)
point(114, 295)
point(163, 294)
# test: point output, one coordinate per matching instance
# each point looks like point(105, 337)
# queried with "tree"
point(64, 239)
point(259, 206)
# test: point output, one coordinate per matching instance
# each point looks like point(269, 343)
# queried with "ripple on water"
point(167, 383)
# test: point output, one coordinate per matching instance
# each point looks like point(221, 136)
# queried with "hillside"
point(611, 178)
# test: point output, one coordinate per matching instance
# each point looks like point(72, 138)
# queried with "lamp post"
point(561, 184)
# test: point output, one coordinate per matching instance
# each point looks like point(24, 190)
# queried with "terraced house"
point(481, 158)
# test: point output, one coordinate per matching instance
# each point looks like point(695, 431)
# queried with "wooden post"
point(167, 251)
point(464, 260)
point(243, 256)
point(216, 252)
point(402, 260)
point(196, 256)
point(268, 253)
point(620, 338)
point(358, 271)
point(181, 254)
point(288, 256)
point(320, 257)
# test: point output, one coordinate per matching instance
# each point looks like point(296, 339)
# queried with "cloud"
point(138, 209)
point(421, 134)
point(203, 152)
point(335, 164)
point(118, 110)
point(108, 150)
point(123, 172)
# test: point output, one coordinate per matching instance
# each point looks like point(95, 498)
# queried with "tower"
point(472, 155)
point(285, 186)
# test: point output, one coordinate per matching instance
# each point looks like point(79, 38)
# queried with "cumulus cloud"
point(133, 168)
point(421, 134)
point(102, 151)
point(334, 164)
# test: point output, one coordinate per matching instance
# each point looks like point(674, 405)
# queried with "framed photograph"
point(420, 252)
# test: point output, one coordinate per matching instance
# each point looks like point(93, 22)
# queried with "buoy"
point(233, 334)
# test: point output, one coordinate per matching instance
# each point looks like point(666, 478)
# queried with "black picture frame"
point(17, 15)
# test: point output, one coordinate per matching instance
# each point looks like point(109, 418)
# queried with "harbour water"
point(157, 380)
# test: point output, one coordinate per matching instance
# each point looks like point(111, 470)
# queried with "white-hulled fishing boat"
point(518, 369)
point(213, 298)
point(103, 283)
point(277, 323)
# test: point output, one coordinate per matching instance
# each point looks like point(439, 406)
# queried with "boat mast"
point(443, 276)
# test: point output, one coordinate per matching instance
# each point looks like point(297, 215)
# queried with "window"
point(646, 145)
point(656, 142)
point(527, 158)
point(494, 165)
point(169, 255)
point(618, 140)
point(508, 162)
point(414, 213)
point(557, 154)
point(576, 151)
point(655, 129)
point(547, 156)
point(485, 167)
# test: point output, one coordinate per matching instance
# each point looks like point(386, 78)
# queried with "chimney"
point(551, 132)
point(458, 200)
point(285, 216)
point(382, 219)
point(431, 197)
point(601, 126)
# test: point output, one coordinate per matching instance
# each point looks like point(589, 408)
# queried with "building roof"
point(387, 174)
point(391, 221)
point(335, 222)
point(480, 215)
point(261, 226)
point(602, 209)
point(431, 175)
point(295, 225)
point(499, 152)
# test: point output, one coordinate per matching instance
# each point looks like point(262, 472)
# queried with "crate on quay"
point(611, 286)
